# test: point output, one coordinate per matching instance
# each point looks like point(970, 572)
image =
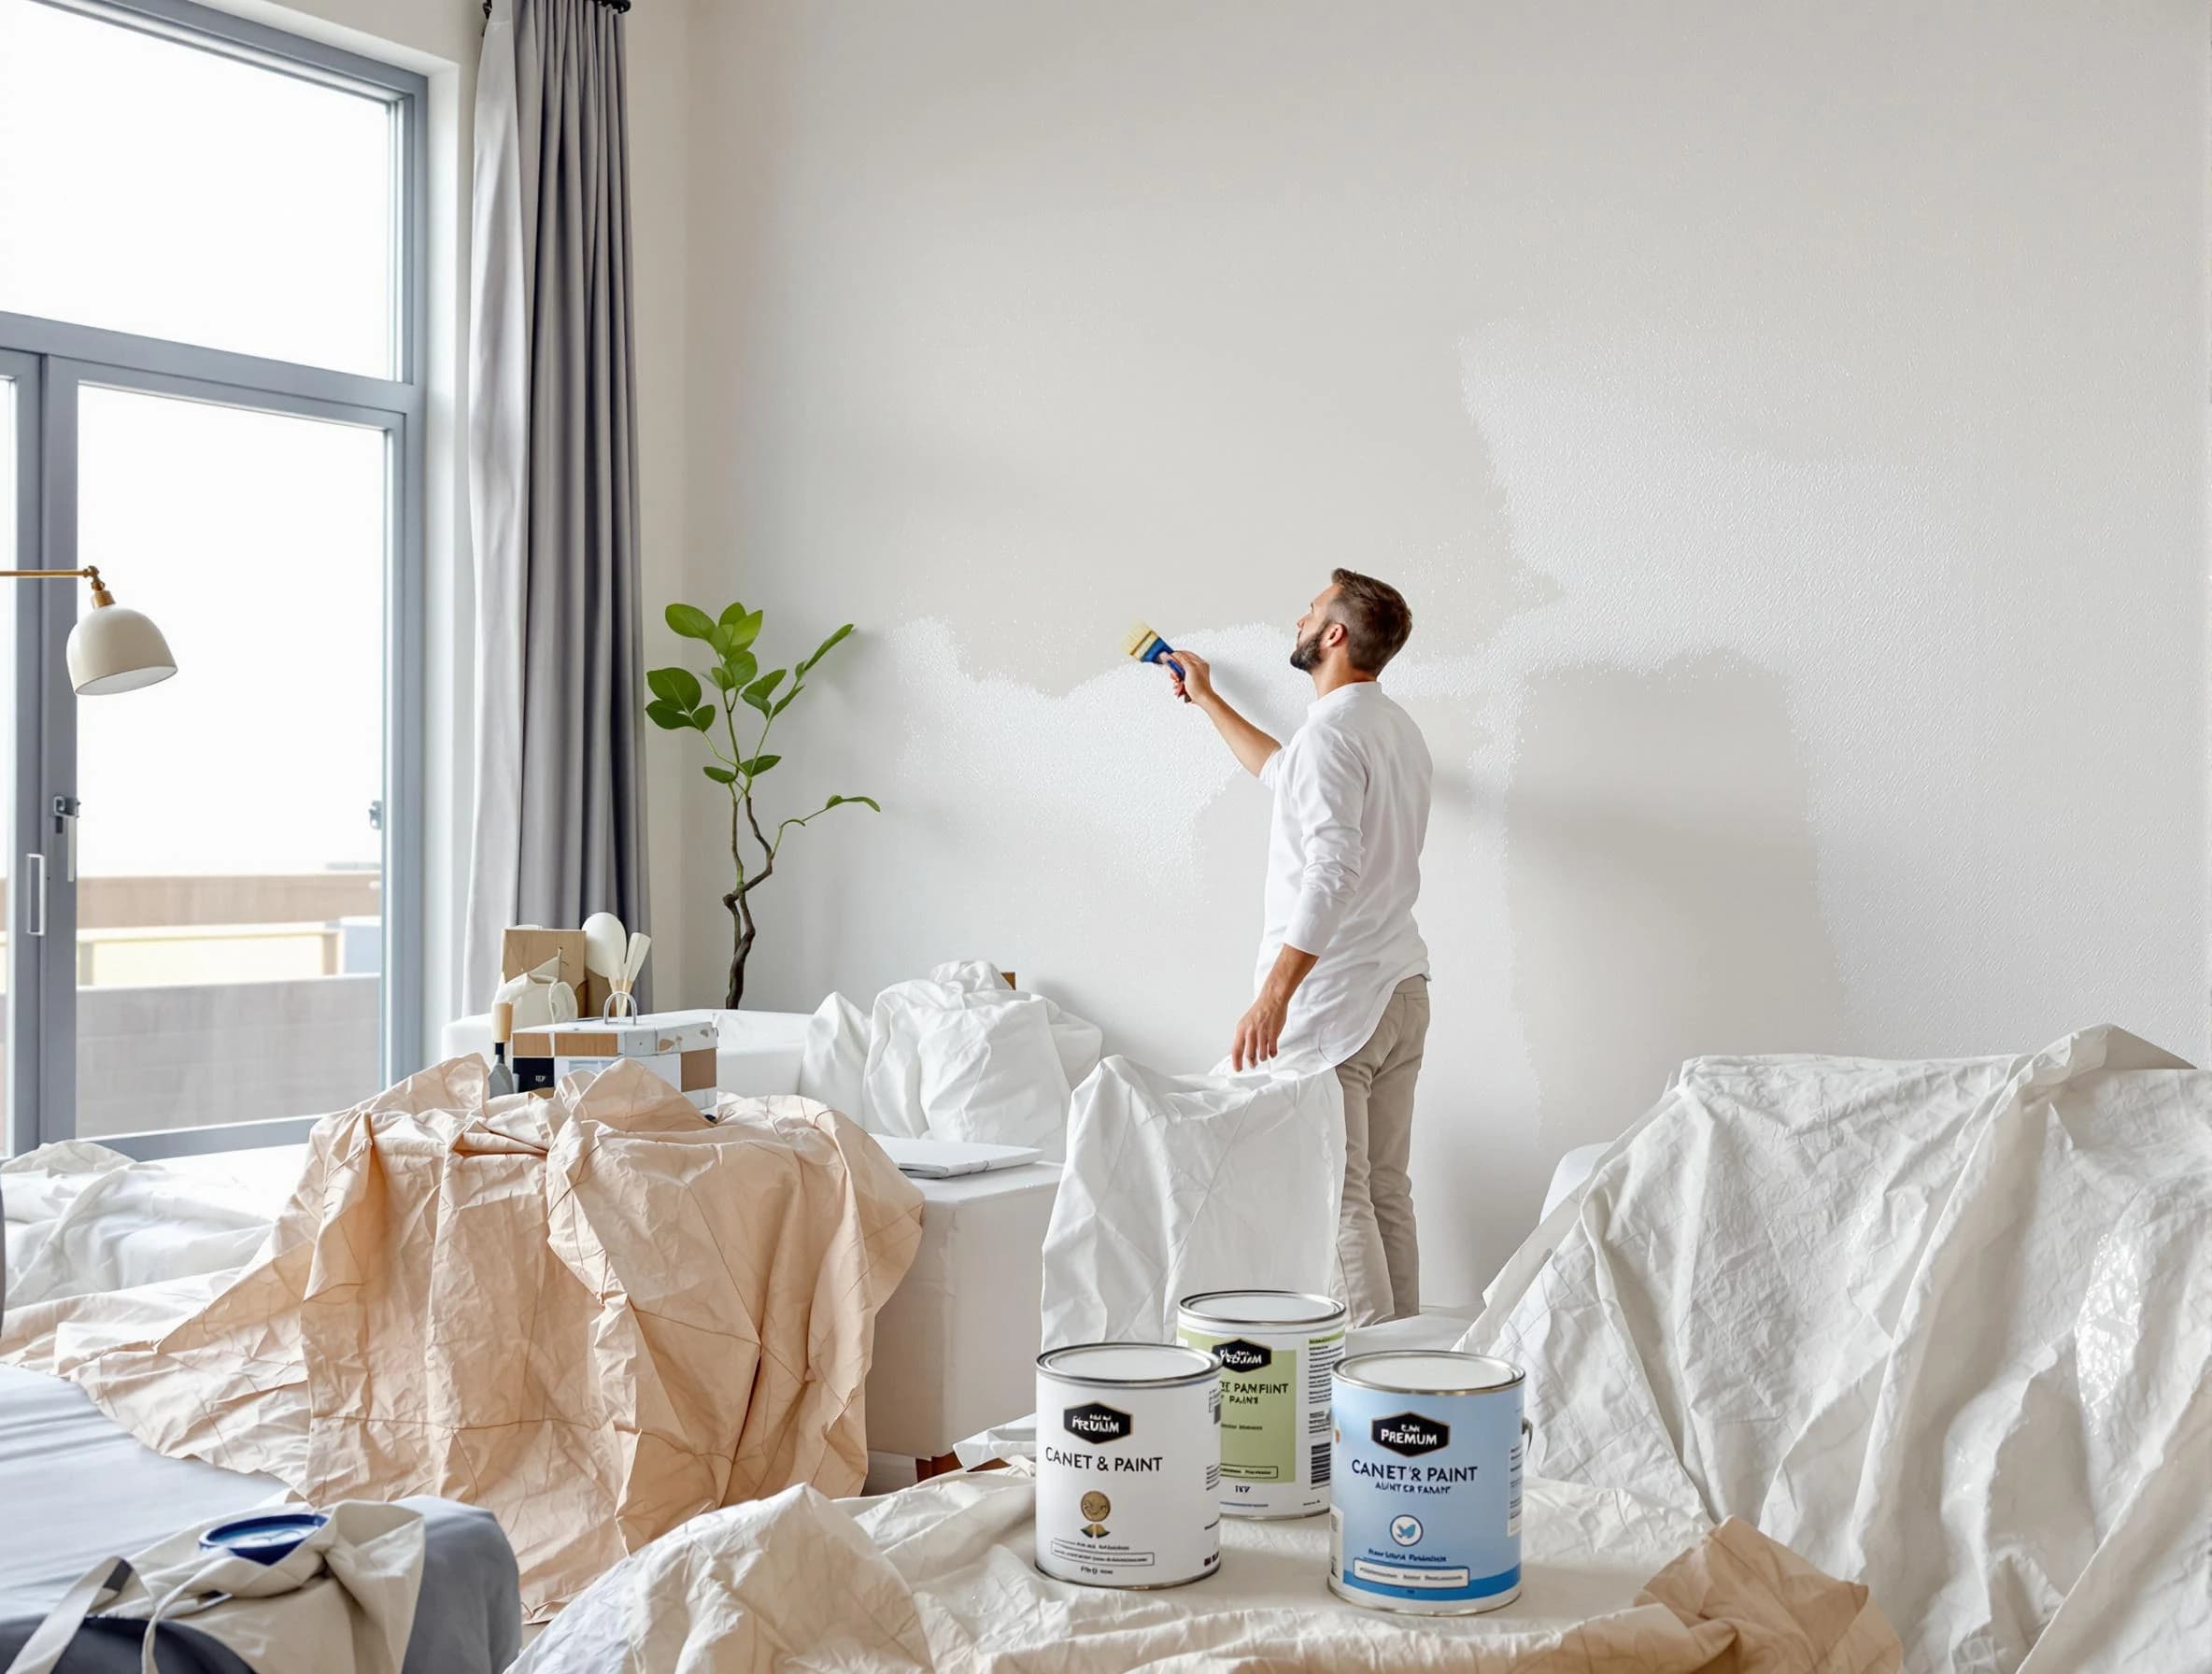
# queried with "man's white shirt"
point(1344, 864)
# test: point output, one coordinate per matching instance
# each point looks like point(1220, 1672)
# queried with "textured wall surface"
point(1788, 424)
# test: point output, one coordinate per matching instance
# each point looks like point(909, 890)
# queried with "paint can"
point(1424, 1513)
point(1129, 1462)
point(1276, 1349)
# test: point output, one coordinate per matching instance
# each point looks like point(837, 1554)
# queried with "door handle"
point(66, 810)
point(35, 902)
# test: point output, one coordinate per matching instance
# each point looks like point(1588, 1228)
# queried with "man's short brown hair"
point(1377, 619)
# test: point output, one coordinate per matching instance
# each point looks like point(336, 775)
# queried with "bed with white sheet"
point(75, 1489)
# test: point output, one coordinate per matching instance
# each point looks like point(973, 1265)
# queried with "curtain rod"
point(613, 6)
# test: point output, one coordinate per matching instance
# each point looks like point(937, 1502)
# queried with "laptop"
point(941, 1159)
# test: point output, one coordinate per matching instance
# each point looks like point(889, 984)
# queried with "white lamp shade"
point(114, 649)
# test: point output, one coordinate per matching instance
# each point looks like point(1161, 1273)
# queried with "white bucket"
point(1129, 1461)
point(1426, 1515)
point(1276, 1348)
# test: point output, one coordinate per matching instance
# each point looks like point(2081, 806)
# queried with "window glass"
point(155, 187)
point(230, 900)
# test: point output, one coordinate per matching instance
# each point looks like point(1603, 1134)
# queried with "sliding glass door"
point(210, 391)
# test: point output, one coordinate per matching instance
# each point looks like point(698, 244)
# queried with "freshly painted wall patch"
point(1129, 1461)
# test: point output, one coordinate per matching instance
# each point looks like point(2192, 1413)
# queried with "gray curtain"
point(559, 817)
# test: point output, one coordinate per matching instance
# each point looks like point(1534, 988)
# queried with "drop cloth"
point(939, 1577)
point(1943, 1326)
point(594, 1315)
point(956, 1055)
point(1178, 1184)
point(81, 1217)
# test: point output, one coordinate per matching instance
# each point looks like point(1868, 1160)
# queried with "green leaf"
point(732, 615)
point(823, 650)
point(690, 621)
point(722, 677)
point(753, 767)
point(720, 775)
point(664, 714)
point(783, 703)
point(744, 628)
point(760, 692)
point(839, 800)
point(703, 716)
point(680, 686)
point(740, 668)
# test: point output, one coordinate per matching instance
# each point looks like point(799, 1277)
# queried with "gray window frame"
point(51, 360)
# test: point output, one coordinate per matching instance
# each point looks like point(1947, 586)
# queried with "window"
point(209, 390)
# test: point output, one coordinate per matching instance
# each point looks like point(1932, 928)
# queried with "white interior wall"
point(1788, 424)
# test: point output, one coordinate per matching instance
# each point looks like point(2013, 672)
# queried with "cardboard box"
point(521, 950)
point(680, 1047)
point(652, 1035)
point(685, 1072)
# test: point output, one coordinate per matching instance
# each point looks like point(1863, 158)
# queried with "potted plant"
point(679, 703)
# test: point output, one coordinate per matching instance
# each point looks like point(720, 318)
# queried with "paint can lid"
point(1262, 1308)
point(1132, 1365)
point(266, 1539)
point(1409, 1372)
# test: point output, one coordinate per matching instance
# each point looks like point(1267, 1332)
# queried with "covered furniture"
point(955, 1345)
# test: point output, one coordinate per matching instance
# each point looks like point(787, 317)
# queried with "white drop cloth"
point(1942, 1327)
point(940, 1577)
point(1178, 1184)
point(956, 1055)
point(83, 1218)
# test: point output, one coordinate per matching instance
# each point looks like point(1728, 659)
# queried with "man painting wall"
point(1342, 969)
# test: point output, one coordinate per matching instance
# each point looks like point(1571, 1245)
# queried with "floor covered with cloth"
point(939, 1577)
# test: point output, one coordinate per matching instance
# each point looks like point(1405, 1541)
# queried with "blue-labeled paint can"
point(1425, 1503)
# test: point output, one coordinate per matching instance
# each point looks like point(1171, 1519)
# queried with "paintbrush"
point(1147, 646)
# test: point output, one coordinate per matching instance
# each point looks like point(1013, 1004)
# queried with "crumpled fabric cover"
point(81, 1217)
point(1178, 1184)
point(593, 1314)
point(939, 1577)
point(958, 1056)
point(1943, 1326)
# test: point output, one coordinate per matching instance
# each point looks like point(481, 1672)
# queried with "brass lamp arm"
point(91, 573)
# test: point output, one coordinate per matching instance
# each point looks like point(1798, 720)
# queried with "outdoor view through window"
point(227, 866)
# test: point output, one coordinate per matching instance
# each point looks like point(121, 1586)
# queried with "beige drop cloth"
point(939, 1578)
point(592, 1315)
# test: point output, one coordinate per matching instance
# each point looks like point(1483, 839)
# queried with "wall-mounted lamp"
point(113, 649)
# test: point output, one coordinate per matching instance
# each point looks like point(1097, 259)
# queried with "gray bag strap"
point(98, 1587)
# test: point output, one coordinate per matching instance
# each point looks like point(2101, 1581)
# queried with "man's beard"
point(1306, 655)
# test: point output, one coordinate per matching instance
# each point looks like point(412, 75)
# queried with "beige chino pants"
point(1377, 1249)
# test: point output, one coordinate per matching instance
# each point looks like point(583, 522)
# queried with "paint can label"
point(1126, 1482)
point(1425, 1511)
point(1276, 1446)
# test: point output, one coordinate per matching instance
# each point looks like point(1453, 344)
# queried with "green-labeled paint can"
point(1276, 1349)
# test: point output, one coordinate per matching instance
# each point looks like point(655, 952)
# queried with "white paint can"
point(1129, 1462)
point(1276, 1349)
point(1425, 1507)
